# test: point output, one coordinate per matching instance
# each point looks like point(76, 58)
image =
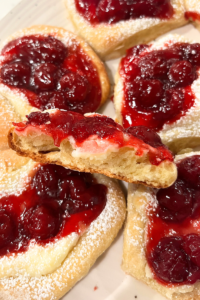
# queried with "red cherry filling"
point(45, 181)
point(61, 125)
point(189, 171)
point(173, 229)
point(50, 75)
point(192, 248)
point(146, 134)
point(43, 222)
point(76, 87)
point(57, 202)
point(6, 228)
point(175, 202)
point(113, 11)
point(18, 73)
point(181, 73)
point(45, 77)
point(169, 260)
point(157, 84)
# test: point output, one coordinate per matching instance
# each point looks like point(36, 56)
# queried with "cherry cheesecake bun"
point(55, 223)
point(162, 233)
point(94, 143)
point(158, 86)
point(45, 67)
point(193, 12)
point(112, 26)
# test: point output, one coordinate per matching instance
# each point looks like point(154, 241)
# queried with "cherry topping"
point(50, 75)
point(45, 181)
point(113, 11)
point(45, 77)
point(181, 73)
point(169, 261)
point(189, 170)
point(16, 74)
point(6, 229)
point(192, 247)
point(146, 134)
point(175, 202)
point(75, 86)
point(150, 93)
point(42, 222)
point(38, 118)
point(157, 84)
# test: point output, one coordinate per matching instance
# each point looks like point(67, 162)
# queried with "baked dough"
point(134, 259)
point(8, 158)
point(193, 6)
point(96, 239)
point(183, 133)
point(18, 100)
point(111, 41)
point(113, 161)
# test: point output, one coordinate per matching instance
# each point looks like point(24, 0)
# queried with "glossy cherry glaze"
point(173, 232)
point(50, 74)
point(157, 84)
point(57, 202)
point(62, 124)
point(192, 15)
point(113, 11)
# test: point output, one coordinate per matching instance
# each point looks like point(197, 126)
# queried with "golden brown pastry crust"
point(111, 41)
point(134, 260)
point(8, 158)
point(123, 164)
point(90, 246)
point(182, 133)
point(19, 101)
point(193, 6)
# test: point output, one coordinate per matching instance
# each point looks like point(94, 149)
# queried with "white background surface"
point(106, 274)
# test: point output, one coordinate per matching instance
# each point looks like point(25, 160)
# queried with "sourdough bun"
point(113, 160)
point(18, 99)
point(182, 133)
point(94, 241)
point(111, 41)
point(134, 260)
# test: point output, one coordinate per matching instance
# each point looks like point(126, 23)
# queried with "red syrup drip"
point(192, 15)
point(173, 231)
point(51, 75)
point(157, 84)
point(62, 124)
point(56, 203)
point(113, 11)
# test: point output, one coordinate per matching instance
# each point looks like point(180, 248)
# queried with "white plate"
point(106, 280)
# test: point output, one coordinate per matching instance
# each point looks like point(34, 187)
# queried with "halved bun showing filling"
point(94, 143)
point(162, 233)
point(112, 26)
point(55, 223)
point(158, 86)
